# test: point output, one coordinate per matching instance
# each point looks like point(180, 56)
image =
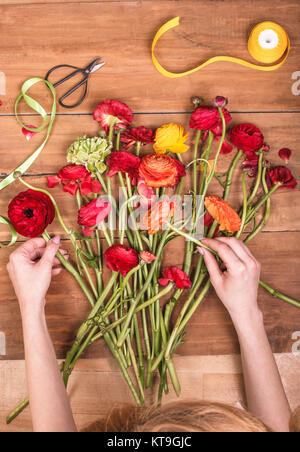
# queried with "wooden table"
point(38, 35)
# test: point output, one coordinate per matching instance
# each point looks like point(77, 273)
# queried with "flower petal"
point(226, 148)
point(71, 188)
point(27, 133)
point(52, 181)
point(221, 211)
point(285, 154)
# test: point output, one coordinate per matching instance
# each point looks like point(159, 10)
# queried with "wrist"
point(32, 312)
point(249, 318)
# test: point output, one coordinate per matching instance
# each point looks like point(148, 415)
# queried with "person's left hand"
point(31, 268)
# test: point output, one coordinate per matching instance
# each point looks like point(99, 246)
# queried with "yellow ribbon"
point(268, 43)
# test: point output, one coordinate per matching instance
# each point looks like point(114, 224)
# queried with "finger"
point(37, 254)
point(238, 247)
point(50, 251)
point(211, 265)
point(56, 271)
point(31, 245)
point(63, 252)
point(226, 253)
point(57, 261)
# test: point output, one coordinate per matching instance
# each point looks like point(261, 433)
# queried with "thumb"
point(51, 250)
point(211, 265)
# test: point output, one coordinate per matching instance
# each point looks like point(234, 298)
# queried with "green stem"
point(258, 177)
point(245, 205)
point(279, 295)
point(262, 201)
point(230, 174)
point(267, 211)
point(69, 267)
point(142, 291)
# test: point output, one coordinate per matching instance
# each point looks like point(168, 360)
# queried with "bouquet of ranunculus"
point(133, 311)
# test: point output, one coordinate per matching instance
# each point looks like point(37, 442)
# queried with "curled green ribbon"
point(14, 234)
point(34, 105)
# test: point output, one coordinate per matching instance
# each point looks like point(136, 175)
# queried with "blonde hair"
point(185, 416)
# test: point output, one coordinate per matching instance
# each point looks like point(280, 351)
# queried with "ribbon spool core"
point(268, 39)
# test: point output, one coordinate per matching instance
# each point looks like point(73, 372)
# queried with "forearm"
point(49, 404)
point(265, 394)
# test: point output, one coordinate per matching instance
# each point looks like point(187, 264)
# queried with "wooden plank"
point(280, 130)
point(40, 36)
point(210, 330)
point(46, 2)
point(96, 386)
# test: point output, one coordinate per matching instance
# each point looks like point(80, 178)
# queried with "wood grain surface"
point(39, 36)
point(36, 35)
point(215, 378)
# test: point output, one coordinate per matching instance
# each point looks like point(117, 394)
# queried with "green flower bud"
point(90, 152)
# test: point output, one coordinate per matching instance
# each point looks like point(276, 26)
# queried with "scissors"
point(92, 67)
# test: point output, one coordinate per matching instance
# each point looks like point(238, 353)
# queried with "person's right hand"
point(30, 268)
point(237, 286)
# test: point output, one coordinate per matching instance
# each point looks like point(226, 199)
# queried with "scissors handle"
point(68, 77)
point(67, 94)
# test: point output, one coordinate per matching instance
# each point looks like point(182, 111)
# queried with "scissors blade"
point(97, 67)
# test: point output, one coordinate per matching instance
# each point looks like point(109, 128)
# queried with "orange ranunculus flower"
point(159, 215)
point(160, 170)
point(170, 137)
point(221, 211)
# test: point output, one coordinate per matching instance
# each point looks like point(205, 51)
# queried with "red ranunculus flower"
point(125, 162)
point(208, 118)
point(121, 258)
point(113, 113)
point(281, 174)
point(246, 137)
point(140, 134)
point(161, 170)
point(74, 176)
point(30, 212)
point(72, 172)
point(93, 213)
point(179, 277)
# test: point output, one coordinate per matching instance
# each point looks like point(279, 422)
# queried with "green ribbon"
point(14, 234)
point(34, 105)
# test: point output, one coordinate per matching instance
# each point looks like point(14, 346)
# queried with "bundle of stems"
point(127, 312)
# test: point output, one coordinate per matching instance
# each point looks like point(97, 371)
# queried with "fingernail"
point(56, 240)
point(200, 249)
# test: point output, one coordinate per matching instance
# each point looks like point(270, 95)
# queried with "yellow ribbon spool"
point(268, 43)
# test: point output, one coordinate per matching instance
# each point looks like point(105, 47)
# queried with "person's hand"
point(237, 286)
point(30, 269)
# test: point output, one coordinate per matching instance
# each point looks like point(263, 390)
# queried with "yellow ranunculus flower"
point(170, 137)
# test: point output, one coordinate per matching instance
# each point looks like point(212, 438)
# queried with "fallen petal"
point(285, 154)
point(52, 181)
point(27, 133)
